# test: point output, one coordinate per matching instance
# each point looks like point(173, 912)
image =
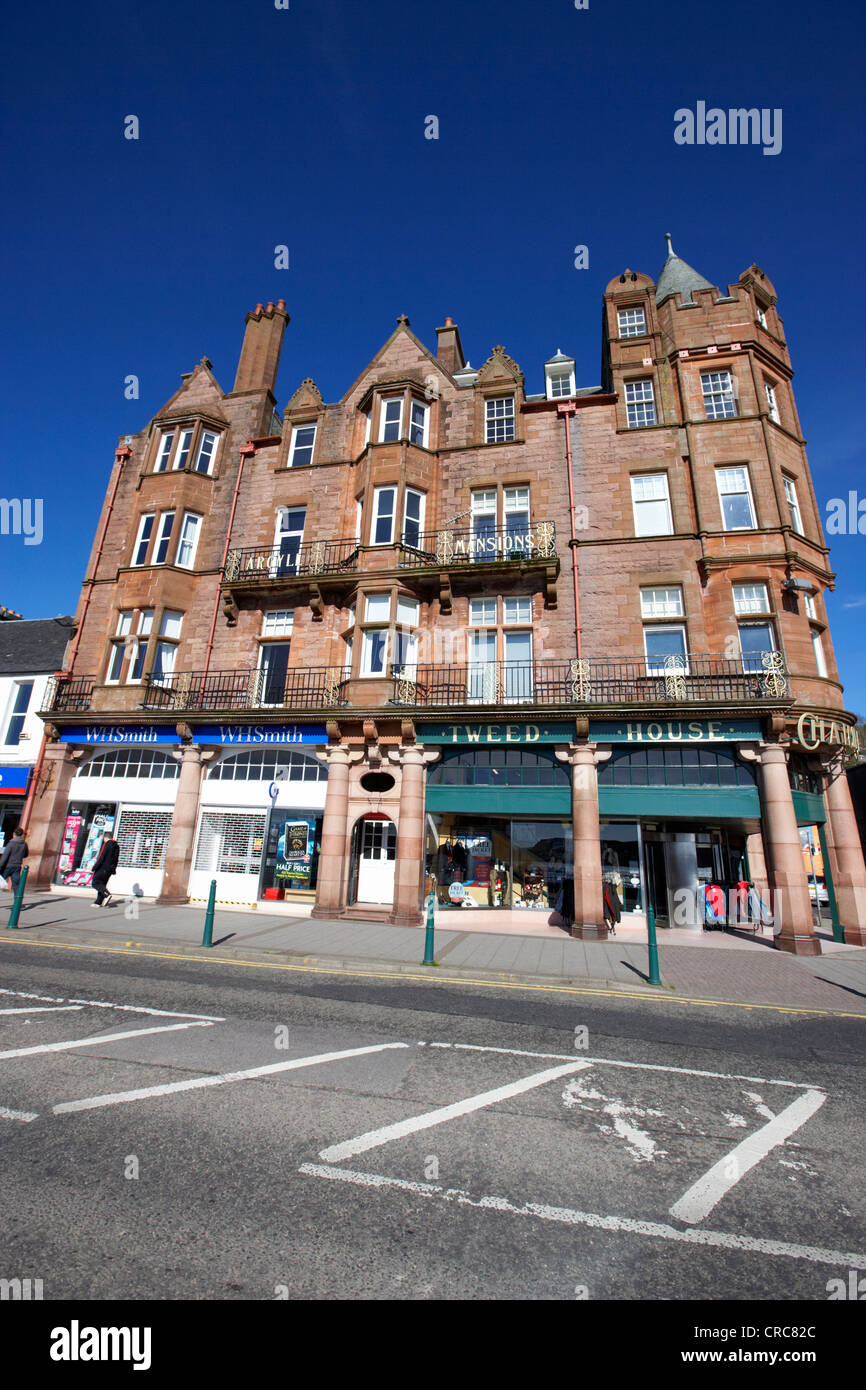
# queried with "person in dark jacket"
point(12, 858)
point(103, 869)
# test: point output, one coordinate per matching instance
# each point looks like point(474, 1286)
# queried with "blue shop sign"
point(675, 731)
point(13, 780)
point(260, 733)
point(119, 733)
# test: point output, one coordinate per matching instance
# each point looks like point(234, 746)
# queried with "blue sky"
point(305, 127)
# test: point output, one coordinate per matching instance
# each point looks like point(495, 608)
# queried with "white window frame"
point(422, 511)
point(184, 448)
point(369, 636)
point(166, 447)
point(772, 403)
point(747, 492)
point(296, 429)
point(119, 644)
point(652, 668)
point(497, 421)
point(374, 524)
point(142, 540)
point(555, 378)
point(477, 615)
point(278, 622)
point(521, 610)
point(628, 329)
point(761, 314)
point(750, 656)
point(747, 604)
point(139, 656)
point(719, 391)
point(793, 505)
point(640, 407)
point(637, 479)
point(385, 423)
point(810, 607)
point(281, 532)
point(163, 538)
point(820, 655)
point(662, 601)
point(199, 453)
point(415, 404)
point(183, 540)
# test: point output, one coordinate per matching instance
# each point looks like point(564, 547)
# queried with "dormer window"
point(632, 322)
point(559, 385)
point(390, 419)
point(499, 420)
point(303, 443)
point(178, 447)
point(559, 377)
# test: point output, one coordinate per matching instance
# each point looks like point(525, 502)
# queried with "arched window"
point(498, 767)
point(269, 765)
point(130, 762)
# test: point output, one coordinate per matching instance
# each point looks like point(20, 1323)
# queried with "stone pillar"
point(330, 881)
point(409, 869)
point(178, 853)
point(589, 922)
point(48, 816)
point(849, 878)
point(757, 862)
point(794, 929)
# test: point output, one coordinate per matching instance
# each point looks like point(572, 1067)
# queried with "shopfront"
point(262, 802)
point(124, 788)
point(498, 819)
point(14, 781)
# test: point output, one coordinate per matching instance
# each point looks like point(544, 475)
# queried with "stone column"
point(849, 878)
point(178, 853)
point(330, 881)
point(794, 928)
point(48, 815)
point(757, 862)
point(409, 869)
point(589, 922)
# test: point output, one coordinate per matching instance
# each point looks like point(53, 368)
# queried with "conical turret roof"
point(678, 278)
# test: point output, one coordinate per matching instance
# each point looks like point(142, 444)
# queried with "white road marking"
point(55, 1009)
point(102, 1004)
point(376, 1137)
point(627, 1225)
point(709, 1190)
point(199, 1082)
point(97, 1041)
point(615, 1062)
point(25, 1115)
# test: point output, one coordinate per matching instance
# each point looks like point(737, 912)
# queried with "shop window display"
point(499, 863)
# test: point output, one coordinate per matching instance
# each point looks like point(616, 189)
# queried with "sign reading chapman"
point(813, 730)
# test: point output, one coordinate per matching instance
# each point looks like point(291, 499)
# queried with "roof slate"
point(34, 646)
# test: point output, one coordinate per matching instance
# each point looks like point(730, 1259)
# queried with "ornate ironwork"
point(775, 679)
point(675, 678)
point(546, 539)
point(579, 683)
point(444, 547)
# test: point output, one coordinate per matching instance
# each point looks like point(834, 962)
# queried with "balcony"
point(68, 694)
point(495, 545)
point(307, 688)
point(590, 682)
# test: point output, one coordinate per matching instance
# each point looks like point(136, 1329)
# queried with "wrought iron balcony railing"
point(66, 694)
point(588, 681)
point(308, 687)
point(306, 560)
point(479, 545)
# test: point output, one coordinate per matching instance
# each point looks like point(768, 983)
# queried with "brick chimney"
point(263, 342)
point(449, 349)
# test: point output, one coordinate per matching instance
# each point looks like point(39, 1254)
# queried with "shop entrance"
point(680, 864)
point(374, 859)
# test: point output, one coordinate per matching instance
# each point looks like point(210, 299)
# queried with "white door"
point(377, 861)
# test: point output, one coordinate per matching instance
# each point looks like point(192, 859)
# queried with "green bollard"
point(16, 901)
point(428, 935)
point(654, 977)
point(207, 939)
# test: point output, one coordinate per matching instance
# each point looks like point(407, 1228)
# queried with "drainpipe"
point(248, 450)
point(120, 457)
point(566, 409)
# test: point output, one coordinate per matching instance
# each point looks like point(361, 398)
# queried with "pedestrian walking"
point(12, 858)
point(105, 865)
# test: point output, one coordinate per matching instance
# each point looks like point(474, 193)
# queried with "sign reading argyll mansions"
point(674, 730)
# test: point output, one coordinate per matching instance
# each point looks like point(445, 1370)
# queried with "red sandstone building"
point(524, 649)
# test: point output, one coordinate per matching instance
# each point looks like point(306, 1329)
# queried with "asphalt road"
point(474, 1142)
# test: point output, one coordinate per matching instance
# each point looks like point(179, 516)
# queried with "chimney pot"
point(259, 309)
point(281, 304)
point(270, 308)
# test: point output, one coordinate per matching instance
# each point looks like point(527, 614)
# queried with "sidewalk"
point(755, 974)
